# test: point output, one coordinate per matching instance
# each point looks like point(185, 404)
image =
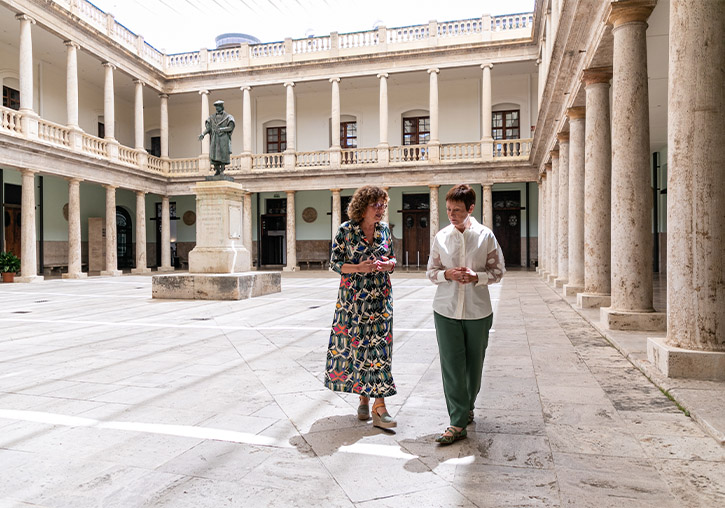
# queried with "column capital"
point(487, 185)
point(487, 65)
point(109, 65)
point(72, 44)
point(630, 11)
point(335, 78)
point(289, 83)
point(163, 96)
point(139, 82)
point(109, 187)
point(202, 92)
point(245, 88)
point(597, 75)
point(435, 70)
point(141, 192)
point(434, 186)
point(538, 61)
point(26, 171)
point(290, 192)
point(562, 137)
point(383, 75)
point(576, 112)
point(554, 154)
point(335, 190)
point(74, 179)
point(25, 17)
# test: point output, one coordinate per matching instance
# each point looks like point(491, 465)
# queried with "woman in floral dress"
point(361, 341)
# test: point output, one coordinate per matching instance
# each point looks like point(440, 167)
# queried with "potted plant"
point(9, 266)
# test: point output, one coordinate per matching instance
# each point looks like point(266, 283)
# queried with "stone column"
point(695, 343)
point(487, 206)
point(486, 103)
point(28, 238)
point(335, 112)
point(433, 101)
point(336, 211)
point(26, 63)
point(204, 115)
point(141, 262)
point(75, 266)
point(111, 240)
point(545, 256)
point(383, 109)
point(540, 222)
point(597, 190)
point(575, 282)
point(109, 108)
point(631, 307)
point(247, 218)
point(165, 236)
point(434, 214)
point(138, 126)
point(291, 232)
point(386, 213)
point(246, 120)
point(164, 108)
point(553, 212)
point(562, 245)
point(291, 123)
point(71, 85)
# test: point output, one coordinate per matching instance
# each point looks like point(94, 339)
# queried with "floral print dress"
point(361, 341)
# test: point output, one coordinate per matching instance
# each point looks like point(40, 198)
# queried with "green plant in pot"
point(9, 266)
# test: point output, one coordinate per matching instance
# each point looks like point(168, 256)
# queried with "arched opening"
point(124, 238)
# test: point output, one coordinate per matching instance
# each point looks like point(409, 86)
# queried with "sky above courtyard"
point(177, 26)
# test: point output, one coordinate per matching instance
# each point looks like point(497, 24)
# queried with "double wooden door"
point(12, 229)
point(416, 238)
point(507, 225)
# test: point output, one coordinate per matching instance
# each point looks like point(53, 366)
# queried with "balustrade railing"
point(128, 155)
point(93, 145)
point(53, 133)
point(411, 153)
point(11, 121)
point(155, 164)
point(512, 148)
point(267, 161)
point(460, 151)
point(359, 156)
point(313, 159)
point(255, 53)
point(188, 166)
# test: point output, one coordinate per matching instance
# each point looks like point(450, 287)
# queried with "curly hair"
point(363, 197)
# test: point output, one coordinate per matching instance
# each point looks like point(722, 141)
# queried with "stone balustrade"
point(43, 131)
point(380, 40)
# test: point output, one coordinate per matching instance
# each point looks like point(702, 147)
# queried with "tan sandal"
point(384, 420)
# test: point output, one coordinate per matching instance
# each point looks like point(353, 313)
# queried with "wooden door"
point(416, 238)
point(507, 225)
point(12, 229)
point(274, 231)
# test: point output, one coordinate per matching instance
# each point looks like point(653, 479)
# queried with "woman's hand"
point(462, 275)
point(384, 264)
point(367, 266)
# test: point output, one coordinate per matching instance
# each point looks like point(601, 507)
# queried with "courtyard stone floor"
point(111, 399)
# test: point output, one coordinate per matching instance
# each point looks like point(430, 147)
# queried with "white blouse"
point(476, 248)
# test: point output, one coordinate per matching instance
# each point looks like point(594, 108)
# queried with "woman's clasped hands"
point(384, 264)
point(462, 275)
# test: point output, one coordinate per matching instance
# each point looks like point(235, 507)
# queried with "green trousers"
point(462, 346)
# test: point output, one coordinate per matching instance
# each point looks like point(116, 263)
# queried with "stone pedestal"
point(219, 264)
point(572, 289)
point(219, 242)
point(592, 300)
point(614, 319)
point(688, 363)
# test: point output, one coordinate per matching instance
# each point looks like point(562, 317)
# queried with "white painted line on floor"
point(184, 326)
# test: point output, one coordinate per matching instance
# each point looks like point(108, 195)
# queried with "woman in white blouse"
point(465, 258)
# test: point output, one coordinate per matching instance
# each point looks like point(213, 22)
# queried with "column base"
point(632, 320)
point(559, 282)
point(685, 363)
point(165, 269)
point(572, 289)
point(112, 273)
point(140, 271)
point(593, 300)
point(30, 278)
point(79, 275)
point(290, 268)
point(551, 278)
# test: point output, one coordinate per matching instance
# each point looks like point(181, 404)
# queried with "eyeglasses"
point(379, 206)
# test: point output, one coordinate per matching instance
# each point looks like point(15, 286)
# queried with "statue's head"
point(219, 105)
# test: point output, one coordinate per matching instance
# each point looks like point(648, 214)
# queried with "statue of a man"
point(219, 126)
